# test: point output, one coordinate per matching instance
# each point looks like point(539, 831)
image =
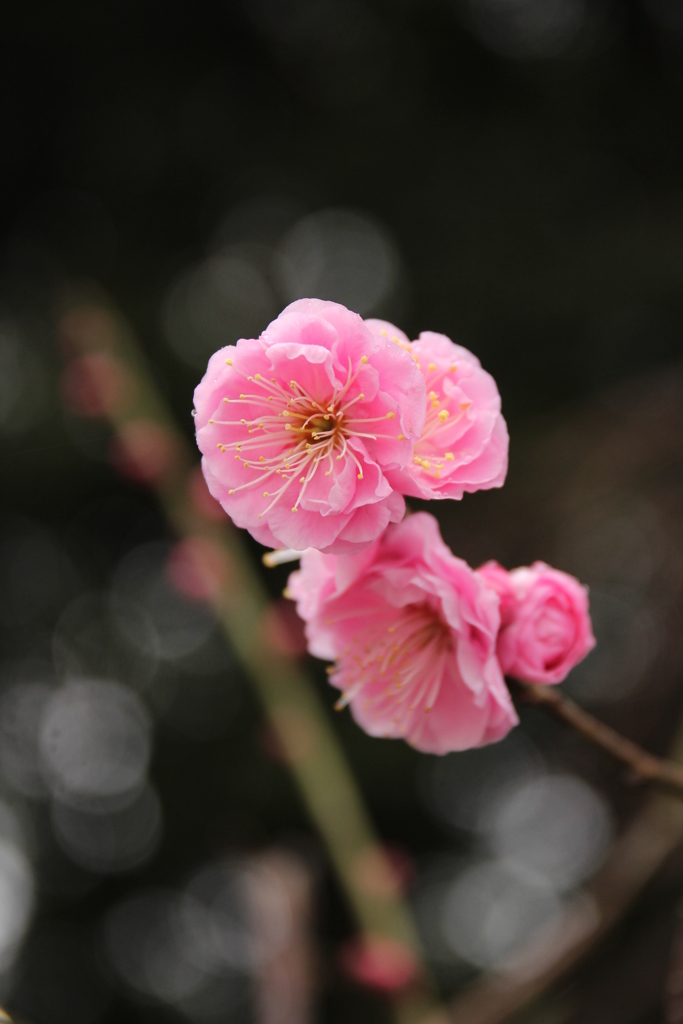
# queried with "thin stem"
point(644, 765)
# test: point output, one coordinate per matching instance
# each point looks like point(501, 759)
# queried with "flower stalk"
point(148, 446)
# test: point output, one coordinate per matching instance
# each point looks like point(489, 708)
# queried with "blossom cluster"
point(311, 436)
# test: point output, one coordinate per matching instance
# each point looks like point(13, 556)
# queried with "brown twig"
point(644, 765)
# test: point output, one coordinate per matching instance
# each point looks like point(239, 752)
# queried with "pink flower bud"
point(198, 568)
point(96, 384)
point(144, 450)
point(379, 963)
point(546, 627)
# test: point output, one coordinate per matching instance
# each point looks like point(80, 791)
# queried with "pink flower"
point(464, 443)
point(299, 428)
point(412, 630)
point(545, 622)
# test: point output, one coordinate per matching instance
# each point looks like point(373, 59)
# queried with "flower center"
point(293, 435)
point(406, 659)
point(322, 425)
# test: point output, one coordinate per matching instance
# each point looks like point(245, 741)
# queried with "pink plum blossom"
point(464, 443)
point(412, 630)
point(299, 428)
point(545, 622)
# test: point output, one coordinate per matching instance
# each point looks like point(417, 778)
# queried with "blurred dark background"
point(509, 172)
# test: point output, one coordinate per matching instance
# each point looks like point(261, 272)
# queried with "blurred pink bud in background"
point(202, 500)
point(197, 567)
point(299, 428)
point(379, 963)
point(95, 384)
point(413, 632)
point(545, 622)
point(143, 450)
point(464, 442)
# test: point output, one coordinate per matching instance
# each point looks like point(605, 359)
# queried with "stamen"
point(280, 556)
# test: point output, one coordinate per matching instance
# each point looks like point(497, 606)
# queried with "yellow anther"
point(425, 463)
point(294, 508)
point(418, 461)
point(390, 415)
point(431, 366)
point(401, 437)
point(260, 458)
point(364, 359)
point(435, 405)
point(258, 376)
point(449, 456)
point(265, 494)
point(443, 415)
point(302, 479)
point(210, 421)
point(237, 457)
point(288, 426)
point(231, 491)
point(360, 476)
point(384, 332)
point(229, 362)
point(453, 368)
point(465, 405)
